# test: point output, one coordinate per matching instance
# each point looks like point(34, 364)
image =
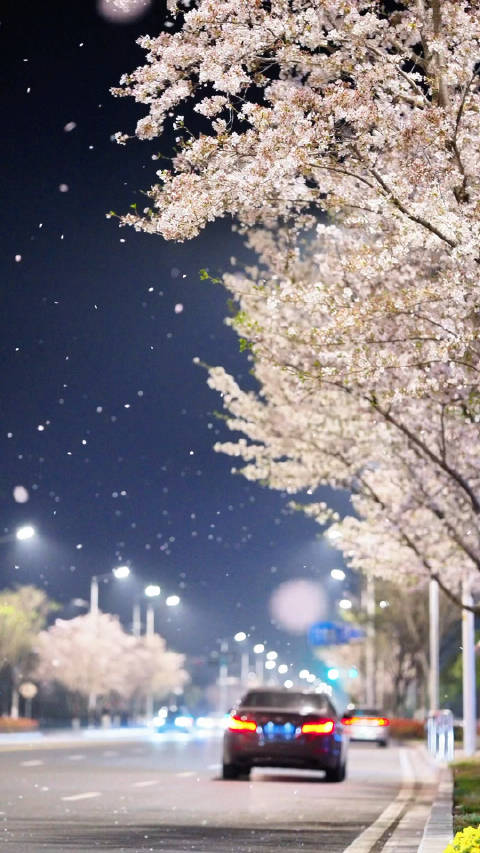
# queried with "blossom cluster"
point(344, 139)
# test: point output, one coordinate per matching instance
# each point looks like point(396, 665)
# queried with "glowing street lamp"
point(152, 590)
point(25, 532)
point(240, 636)
point(172, 600)
point(121, 572)
point(345, 604)
point(337, 574)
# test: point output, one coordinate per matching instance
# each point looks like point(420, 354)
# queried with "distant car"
point(367, 724)
point(285, 728)
point(171, 719)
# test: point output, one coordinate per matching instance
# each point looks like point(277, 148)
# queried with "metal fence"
point(440, 735)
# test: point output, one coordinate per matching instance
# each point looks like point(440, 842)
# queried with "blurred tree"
point(23, 613)
point(93, 657)
point(401, 645)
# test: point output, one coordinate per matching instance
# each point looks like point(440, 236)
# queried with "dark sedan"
point(285, 728)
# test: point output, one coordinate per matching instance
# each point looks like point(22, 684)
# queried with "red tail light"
point(366, 721)
point(240, 724)
point(318, 727)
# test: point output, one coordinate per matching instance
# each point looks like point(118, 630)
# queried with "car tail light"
point(239, 724)
point(365, 721)
point(318, 727)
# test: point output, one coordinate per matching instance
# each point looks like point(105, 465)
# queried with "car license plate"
point(278, 731)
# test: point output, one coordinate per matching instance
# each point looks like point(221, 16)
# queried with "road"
point(164, 793)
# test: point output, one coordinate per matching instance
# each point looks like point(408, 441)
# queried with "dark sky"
point(104, 418)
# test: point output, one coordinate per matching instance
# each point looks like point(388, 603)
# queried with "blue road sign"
point(334, 634)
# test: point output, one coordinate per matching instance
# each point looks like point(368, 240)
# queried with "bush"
point(22, 724)
point(405, 728)
point(466, 841)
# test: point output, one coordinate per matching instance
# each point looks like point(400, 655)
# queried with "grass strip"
point(466, 794)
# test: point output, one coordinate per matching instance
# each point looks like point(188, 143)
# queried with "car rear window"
point(363, 712)
point(289, 701)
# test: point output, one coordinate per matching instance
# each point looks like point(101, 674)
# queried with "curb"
point(439, 828)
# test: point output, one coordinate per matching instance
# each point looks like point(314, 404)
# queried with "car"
point(367, 724)
point(276, 727)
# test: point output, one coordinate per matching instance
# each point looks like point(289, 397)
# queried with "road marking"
point(87, 796)
point(366, 841)
point(146, 783)
point(186, 773)
point(75, 757)
point(109, 753)
point(34, 762)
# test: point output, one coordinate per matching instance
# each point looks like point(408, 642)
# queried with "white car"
point(368, 725)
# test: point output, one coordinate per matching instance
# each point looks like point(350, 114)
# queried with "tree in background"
point(23, 613)
point(92, 656)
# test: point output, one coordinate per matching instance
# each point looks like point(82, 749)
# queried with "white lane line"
point(87, 796)
point(109, 753)
point(34, 762)
point(145, 784)
point(75, 757)
point(186, 773)
point(365, 842)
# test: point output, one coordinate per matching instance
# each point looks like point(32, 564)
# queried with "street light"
point(240, 637)
point(151, 591)
point(337, 574)
point(345, 604)
point(172, 600)
point(258, 650)
point(25, 532)
point(119, 572)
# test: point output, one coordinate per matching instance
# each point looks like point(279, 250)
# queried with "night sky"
point(105, 419)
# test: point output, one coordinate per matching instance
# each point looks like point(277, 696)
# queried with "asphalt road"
point(164, 793)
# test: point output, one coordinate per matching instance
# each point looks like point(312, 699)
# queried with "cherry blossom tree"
point(365, 113)
point(365, 346)
point(92, 655)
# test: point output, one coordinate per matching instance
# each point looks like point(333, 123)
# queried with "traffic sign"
point(334, 634)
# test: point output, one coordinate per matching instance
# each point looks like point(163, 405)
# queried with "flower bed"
point(404, 728)
point(466, 841)
point(20, 724)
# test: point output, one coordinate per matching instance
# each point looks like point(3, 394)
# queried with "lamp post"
point(258, 650)
point(120, 573)
point(151, 591)
point(469, 689)
point(240, 637)
point(434, 637)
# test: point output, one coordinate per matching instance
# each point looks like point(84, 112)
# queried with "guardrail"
point(440, 742)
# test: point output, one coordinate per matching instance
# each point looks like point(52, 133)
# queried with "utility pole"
point(469, 686)
point(137, 620)
point(149, 632)
point(223, 677)
point(434, 626)
point(370, 643)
